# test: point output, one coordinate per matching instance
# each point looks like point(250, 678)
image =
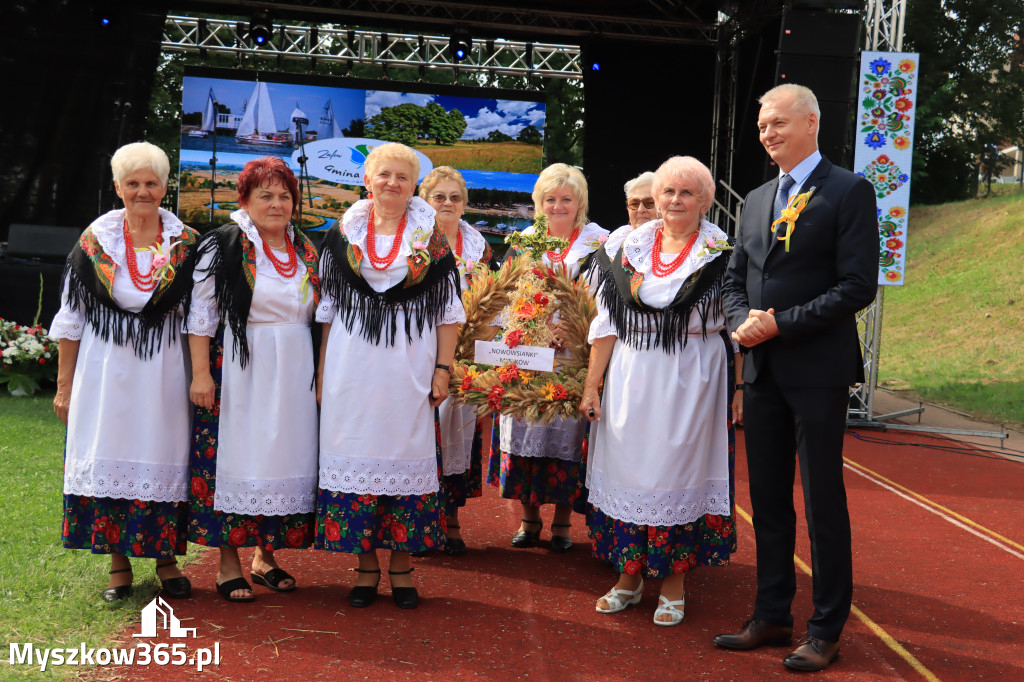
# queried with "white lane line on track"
point(937, 512)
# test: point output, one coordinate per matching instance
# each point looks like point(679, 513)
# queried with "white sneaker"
point(669, 607)
point(620, 599)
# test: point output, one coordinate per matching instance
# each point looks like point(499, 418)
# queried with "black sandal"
point(225, 589)
point(525, 538)
point(176, 588)
point(112, 594)
point(272, 579)
point(362, 596)
point(560, 543)
point(454, 546)
point(404, 597)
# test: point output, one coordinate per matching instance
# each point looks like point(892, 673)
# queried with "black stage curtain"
point(74, 91)
point(646, 103)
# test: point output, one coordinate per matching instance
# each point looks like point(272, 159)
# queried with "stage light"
point(460, 44)
point(596, 66)
point(261, 28)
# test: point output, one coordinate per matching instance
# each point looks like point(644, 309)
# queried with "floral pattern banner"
point(884, 149)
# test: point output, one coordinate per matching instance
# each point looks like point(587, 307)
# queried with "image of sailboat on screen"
point(209, 118)
point(259, 127)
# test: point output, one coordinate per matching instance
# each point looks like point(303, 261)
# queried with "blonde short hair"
point(557, 176)
point(136, 156)
point(686, 169)
point(804, 100)
point(393, 151)
point(439, 175)
point(645, 179)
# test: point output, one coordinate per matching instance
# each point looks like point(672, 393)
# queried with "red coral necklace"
point(141, 282)
point(458, 244)
point(665, 269)
point(378, 262)
point(286, 270)
point(558, 257)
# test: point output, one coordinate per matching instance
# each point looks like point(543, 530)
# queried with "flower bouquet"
point(28, 355)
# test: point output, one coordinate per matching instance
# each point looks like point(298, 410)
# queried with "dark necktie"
point(782, 197)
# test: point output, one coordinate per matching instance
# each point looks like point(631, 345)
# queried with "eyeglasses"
point(634, 204)
point(441, 198)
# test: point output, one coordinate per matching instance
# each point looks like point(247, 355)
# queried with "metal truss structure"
point(390, 50)
point(654, 20)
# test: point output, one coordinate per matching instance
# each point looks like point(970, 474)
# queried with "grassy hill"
point(954, 334)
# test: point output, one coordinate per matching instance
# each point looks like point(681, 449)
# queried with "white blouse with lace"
point(267, 431)
point(458, 422)
point(660, 453)
point(376, 424)
point(128, 421)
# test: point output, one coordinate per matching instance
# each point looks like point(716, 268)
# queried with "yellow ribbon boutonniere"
point(796, 205)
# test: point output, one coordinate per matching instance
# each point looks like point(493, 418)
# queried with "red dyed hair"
point(264, 171)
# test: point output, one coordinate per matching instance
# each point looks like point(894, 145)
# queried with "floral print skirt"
point(458, 488)
point(136, 528)
point(539, 480)
point(660, 551)
point(358, 523)
point(206, 525)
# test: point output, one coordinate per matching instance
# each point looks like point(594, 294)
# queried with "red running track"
point(938, 574)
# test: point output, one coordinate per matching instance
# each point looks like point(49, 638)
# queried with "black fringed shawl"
point(89, 276)
point(643, 327)
point(234, 271)
point(422, 295)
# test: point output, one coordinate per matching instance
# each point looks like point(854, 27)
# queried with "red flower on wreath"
point(199, 487)
point(494, 398)
point(513, 339)
point(540, 299)
point(294, 537)
point(467, 383)
point(237, 536)
point(559, 392)
point(399, 532)
point(509, 372)
point(332, 530)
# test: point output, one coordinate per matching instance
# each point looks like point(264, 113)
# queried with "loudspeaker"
point(45, 242)
point(820, 50)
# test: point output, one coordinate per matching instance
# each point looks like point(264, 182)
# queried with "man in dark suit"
point(793, 305)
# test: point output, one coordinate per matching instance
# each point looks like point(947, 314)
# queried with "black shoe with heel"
point(362, 596)
point(526, 538)
point(404, 597)
point(175, 588)
point(560, 543)
point(454, 546)
point(112, 594)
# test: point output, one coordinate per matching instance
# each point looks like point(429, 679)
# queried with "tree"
point(498, 136)
point(970, 90)
point(407, 123)
point(356, 128)
point(530, 135)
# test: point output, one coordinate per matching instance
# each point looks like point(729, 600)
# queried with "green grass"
point(510, 157)
point(952, 334)
point(49, 595)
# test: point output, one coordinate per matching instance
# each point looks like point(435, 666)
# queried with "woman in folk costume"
point(536, 464)
point(391, 310)
point(254, 431)
point(121, 384)
point(660, 471)
point(461, 432)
